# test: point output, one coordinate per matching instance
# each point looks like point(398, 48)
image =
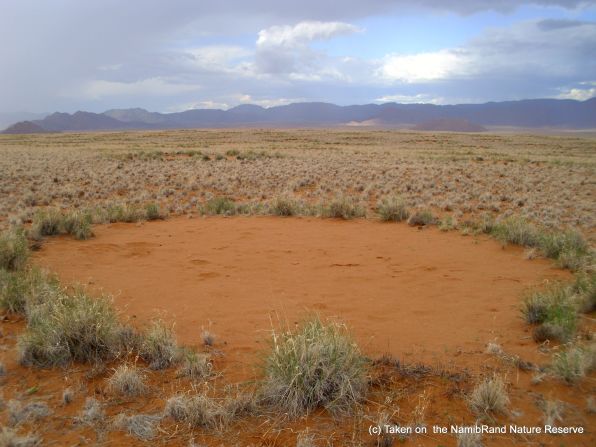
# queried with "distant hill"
point(25, 127)
point(533, 113)
point(450, 125)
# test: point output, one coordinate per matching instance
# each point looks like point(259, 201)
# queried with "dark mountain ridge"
point(532, 113)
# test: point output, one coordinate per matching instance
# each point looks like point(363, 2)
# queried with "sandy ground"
point(408, 292)
point(420, 295)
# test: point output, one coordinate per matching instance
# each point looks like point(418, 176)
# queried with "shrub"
point(69, 327)
point(392, 209)
point(319, 365)
point(343, 208)
point(14, 251)
point(221, 205)
point(127, 380)
point(158, 346)
point(489, 396)
point(422, 218)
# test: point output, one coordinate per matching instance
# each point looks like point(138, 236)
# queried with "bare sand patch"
point(421, 295)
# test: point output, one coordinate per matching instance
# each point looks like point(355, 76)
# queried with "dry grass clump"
point(158, 346)
point(220, 205)
point(92, 413)
point(10, 438)
point(33, 411)
point(552, 411)
point(141, 426)
point(69, 327)
point(51, 222)
point(343, 207)
point(583, 292)
point(516, 230)
point(392, 209)
point(152, 212)
point(469, 440)
point(195, 365)
point(285, 207)
point(422, 218)
point(316, 366)
point(489, 396)
point(573, 363)
point(198, 410)
point(127, 380)
point(14, 250)
point(22, 291)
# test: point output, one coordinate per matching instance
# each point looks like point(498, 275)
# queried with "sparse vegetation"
point(92, 413)
point(221, 205)
point(469, 440)
point(284, 206)
point(197, 410)
point(316, 366)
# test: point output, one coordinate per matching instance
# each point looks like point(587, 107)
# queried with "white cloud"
point(302, 33)
point(421, 98)
point(422, 66)
point(98, 89)
point(579, 94)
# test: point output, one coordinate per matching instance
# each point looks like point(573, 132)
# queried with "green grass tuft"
point(158, 346)
point(343, 208)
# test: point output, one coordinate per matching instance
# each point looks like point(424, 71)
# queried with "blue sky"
point(69, 55)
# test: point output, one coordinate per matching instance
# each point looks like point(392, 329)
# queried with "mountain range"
point(532, 113)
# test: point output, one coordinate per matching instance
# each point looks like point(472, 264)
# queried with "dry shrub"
point(392, 209)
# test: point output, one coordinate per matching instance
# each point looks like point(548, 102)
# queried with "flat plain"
point(225, 253)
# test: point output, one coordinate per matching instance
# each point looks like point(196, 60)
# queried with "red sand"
point(401, 290)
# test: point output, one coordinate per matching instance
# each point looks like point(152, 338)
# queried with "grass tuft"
point(489, 396)
point(573, 363)
point(14, 250)
point(127, 380)
point(195, 365)
point(392, 209)
point(141, 426)
point(69, 327)
point(285, 207)
point(221, 205)
point(422, 218)
point(318, 365)
point(10, 438)
point(343, 208)
point(158, 346)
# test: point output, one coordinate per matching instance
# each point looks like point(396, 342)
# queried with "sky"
point(169, 56)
